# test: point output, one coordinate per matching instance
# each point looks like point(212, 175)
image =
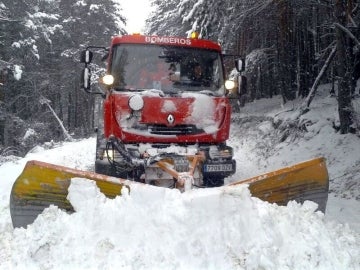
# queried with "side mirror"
point(240, 65)
point(85, 78)
point(86, 57)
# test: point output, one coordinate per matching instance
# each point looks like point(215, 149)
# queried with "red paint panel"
point(156, 111)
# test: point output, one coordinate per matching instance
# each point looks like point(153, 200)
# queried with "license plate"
point(218, 168)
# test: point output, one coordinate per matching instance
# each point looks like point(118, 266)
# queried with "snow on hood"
point(203, 109)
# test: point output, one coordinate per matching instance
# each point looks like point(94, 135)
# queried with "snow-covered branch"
point(321, 73)
point(47, 102)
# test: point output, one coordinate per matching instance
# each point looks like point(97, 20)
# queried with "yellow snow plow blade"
point(42, 184)
point(308, 180)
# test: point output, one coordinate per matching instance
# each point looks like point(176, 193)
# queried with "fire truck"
point(165, 122)
point(166, 114)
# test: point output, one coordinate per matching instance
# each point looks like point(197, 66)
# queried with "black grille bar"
point(174, 130)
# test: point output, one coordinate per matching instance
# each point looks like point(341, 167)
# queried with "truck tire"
point(102, 166)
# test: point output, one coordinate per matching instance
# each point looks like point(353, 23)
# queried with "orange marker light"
point(194, 35)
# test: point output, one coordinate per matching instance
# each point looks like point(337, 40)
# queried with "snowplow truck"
point(165, 121)
point(166, 116)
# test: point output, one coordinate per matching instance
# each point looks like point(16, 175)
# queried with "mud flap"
point(42, 184)
point(308, 180)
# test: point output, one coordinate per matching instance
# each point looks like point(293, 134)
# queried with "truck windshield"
point(167, 68)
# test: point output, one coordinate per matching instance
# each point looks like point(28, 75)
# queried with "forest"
point(290, 47)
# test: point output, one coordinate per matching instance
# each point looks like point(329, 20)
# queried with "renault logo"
point(170, 119)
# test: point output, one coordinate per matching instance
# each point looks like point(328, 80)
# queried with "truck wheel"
point(102, 166)
point(213, 181)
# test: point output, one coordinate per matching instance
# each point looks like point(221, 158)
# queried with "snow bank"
point(155, 228)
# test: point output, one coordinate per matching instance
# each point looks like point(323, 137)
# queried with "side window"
point(217, 73)
point(119, 61)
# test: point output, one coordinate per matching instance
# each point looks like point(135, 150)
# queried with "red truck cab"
point(165, 101)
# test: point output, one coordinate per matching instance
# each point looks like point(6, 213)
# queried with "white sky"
point(136, 11)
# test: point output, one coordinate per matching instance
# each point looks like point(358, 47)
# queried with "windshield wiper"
point(154, 91)
point(118, 88)
point(150, 91)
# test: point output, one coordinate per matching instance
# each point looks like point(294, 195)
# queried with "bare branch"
point(6, 19)
point(321, 73)
point(347, 31)
point(352, 21)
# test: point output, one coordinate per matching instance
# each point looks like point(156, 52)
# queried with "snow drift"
point(155, 228)
point(218, 228)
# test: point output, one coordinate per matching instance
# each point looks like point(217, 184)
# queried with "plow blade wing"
point(42, 184)
point(308, 180)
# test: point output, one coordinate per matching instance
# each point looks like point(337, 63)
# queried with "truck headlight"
point(108, 79)
point(229, 84)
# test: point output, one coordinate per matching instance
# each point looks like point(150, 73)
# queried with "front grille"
point(174, 130)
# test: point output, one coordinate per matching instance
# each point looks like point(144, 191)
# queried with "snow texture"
point(218, 228)
point(17, 72)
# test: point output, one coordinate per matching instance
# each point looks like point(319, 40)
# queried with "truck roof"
point(164, 40)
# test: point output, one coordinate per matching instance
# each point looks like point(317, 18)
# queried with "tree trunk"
point(344, 69)
point(286, 51)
